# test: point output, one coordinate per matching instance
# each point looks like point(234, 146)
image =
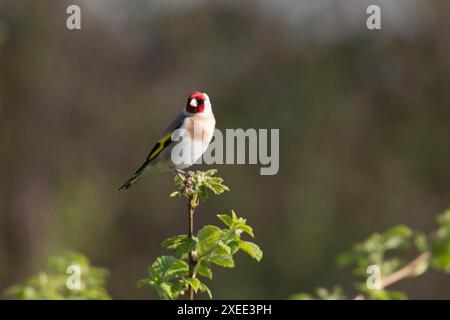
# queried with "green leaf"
point(233, 215)
point(193, 282)
point(167, 267)
point(251, 249)
point(177, 268)
point(173, 241)
point(223, 260)
point(444, 219)
point(440, 253)
point(182, 244)
point(165, 275)
point(233, 244)
point(144, 282)
point(169, 290)
point(175, 194)
point(421, 242)
point(208, 238)
point(204, 288)
point(301, 296)
point(246, 228)
point(216, 185)
point(210, 172)
point(236, 223)
point(440, 244)
point(396, 237)
point(225, 247)
point(208, 232)
point(203, 269)
point(226, 219)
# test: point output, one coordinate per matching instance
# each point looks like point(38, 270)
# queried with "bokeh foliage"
point(384, 251)
point(51, 282)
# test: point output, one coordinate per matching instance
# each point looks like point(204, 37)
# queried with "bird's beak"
point(193, 103)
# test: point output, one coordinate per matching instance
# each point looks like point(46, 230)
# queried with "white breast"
point(196, 133)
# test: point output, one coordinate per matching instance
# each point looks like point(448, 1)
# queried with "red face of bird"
point(198, 102)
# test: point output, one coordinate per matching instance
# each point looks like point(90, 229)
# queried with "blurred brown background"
point(363, 118)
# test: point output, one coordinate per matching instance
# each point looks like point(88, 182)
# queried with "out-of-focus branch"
point(405, 272)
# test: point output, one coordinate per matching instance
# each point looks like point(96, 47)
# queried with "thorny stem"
point(405, 272)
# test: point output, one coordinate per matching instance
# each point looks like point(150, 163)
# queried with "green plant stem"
point(192, 205)
point(191, 209)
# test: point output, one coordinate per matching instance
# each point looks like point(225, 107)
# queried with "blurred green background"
point(363, 118)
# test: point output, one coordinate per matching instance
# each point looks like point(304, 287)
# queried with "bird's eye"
point(200, 101)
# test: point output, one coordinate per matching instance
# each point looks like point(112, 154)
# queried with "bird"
point(184, 140)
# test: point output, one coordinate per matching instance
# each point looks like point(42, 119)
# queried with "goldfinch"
point(183, 142)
